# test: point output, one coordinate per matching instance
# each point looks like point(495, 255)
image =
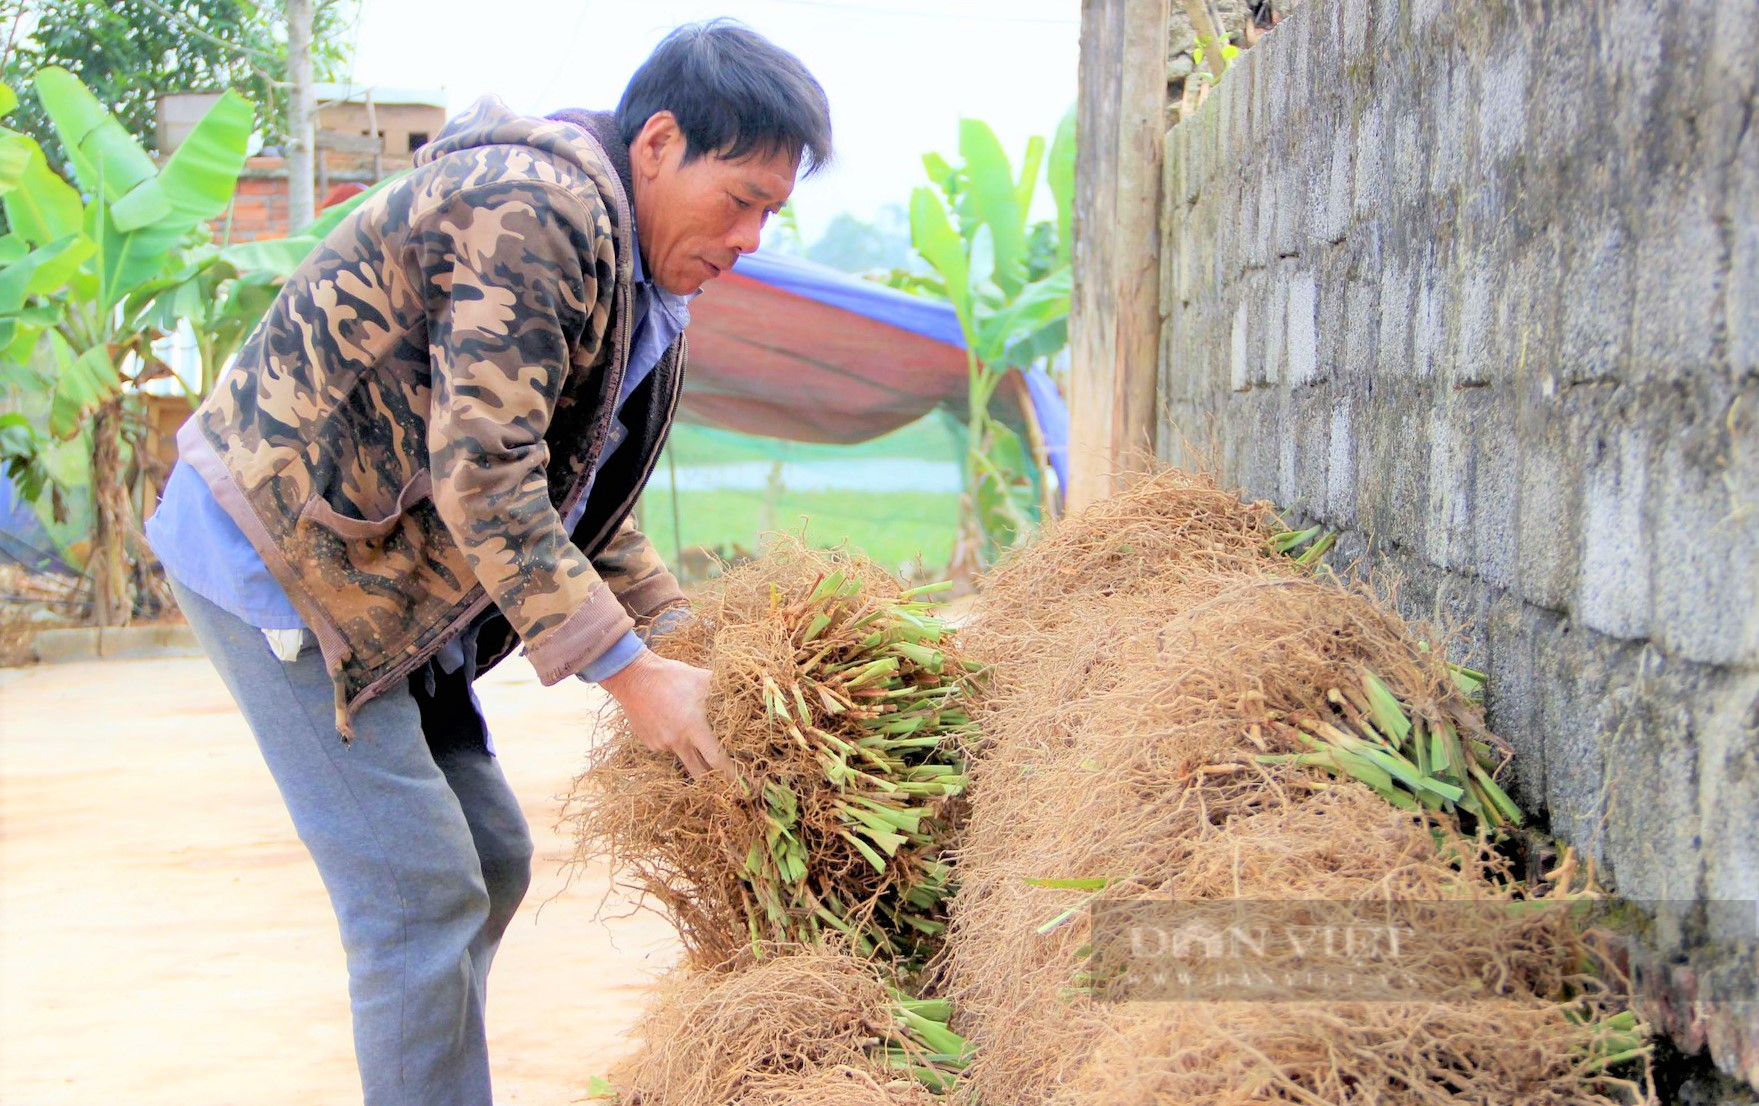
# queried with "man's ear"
point(654, 143)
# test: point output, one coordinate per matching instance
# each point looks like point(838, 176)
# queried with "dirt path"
point(165, 939)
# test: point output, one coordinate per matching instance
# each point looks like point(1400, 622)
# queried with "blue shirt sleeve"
point(615, 659)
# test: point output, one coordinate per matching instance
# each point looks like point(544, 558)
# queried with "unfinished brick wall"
point(259, 206)
point(1477, 284)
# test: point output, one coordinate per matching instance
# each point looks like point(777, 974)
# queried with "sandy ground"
point(165, 939)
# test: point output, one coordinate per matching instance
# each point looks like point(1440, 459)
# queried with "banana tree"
point(83, 272)
point(1009, 284)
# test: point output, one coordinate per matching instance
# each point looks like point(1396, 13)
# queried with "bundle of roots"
point(1178, 711)
point(839, 699)
point(811, 1028)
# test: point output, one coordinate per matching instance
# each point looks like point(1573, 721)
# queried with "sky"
point(899, 75)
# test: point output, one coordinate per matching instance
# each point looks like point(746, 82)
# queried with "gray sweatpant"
point(425, 858)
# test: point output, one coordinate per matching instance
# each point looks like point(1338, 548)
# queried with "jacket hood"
point(581, 138)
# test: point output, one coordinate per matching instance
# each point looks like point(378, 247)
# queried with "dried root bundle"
point(1433, 1054)
point(801, 1029)
point(1198, 725)
point(842, 703)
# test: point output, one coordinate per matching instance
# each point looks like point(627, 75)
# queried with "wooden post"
point(1114, 321)
point(372, 128)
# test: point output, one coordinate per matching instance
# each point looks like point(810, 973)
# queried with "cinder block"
point(1428, 321)
point(1597, 311)
point(1263, 229)
point(1529, 325)
point(1410, 155)
point(1396, 483)
point(1261, 465)
point(1424, 14)
point(1362, 330)
point(1614, 592)
point(1371, 157)
point(1240, 378)
point(1549, 480)
point(1216, 109)
point(1355, 17)
point(1450, 138)
point(1303, 330)
point(1448, 532)
point(1329, 197)
point(1490, 426)
point(90, 643)
point(1291, 207)
point(1631, 53)
point(1385, 31)
point(1288, 488)
point(1730, 60)
point(1577, 676)
point(1312, 426)
point(1192, 166)
point(1727, 728)
point(1502, 101)
point(1677, 280)
point(1332, 276)
point(1184, 248)
point(1340, 472)
point(1704, 487)
point(1172, 243)
point(1471, 362)
point(1649, 736)
point(1301, 55)
point(1564, 105)
point(1276, 330)
point(1512, 696)
point(1393, 360)
point(1743, 281)
point(1245, 245)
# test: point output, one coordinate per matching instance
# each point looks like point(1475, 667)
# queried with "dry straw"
point(795, 1030)
point(1175, 707)
point(1156, 661)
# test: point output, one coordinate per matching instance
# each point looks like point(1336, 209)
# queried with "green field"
point(893, 527)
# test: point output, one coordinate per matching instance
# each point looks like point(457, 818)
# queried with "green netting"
point(896, 497)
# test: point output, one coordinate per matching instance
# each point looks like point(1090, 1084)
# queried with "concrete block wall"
point(1478, 285)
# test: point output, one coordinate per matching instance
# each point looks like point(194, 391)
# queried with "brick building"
point(363, 133)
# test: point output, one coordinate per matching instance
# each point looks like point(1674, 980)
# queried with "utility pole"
point(301, 195)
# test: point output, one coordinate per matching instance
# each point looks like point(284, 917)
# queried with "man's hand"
point(666, 703)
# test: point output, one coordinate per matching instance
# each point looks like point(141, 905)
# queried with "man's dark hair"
point(733, 93)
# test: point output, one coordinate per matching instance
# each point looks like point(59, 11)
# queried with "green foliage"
point(89, 278)
point(129, 51)
point(1009, 284)
point(1199, 51)
point(858, 246)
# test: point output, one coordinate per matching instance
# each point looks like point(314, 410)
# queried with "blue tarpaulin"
point(23, 541)
point(788, 348)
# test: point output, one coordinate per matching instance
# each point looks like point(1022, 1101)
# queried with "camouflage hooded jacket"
point(426, 399)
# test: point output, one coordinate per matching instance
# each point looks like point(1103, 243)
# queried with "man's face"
point(695, 220)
